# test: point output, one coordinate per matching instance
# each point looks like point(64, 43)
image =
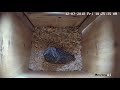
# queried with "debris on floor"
point(67, 39)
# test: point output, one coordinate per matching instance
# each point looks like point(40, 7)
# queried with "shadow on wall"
point(1, 42)
point(16, 45)
point(116, 69)
point(101, 46)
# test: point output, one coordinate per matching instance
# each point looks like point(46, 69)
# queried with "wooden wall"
point(42, 19)
point(0, 55)
point(15, 45)
point(116, 26)
point(101, 46)
point(100, 50)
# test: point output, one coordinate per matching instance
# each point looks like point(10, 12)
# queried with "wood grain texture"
point(101, 47)
point(42, 19)
point(87, 21)
point(25, 20)
point(100, 50)
point(16, 45)
point(1, 41)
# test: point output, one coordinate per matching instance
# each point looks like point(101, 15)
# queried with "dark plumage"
point(57, 56)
